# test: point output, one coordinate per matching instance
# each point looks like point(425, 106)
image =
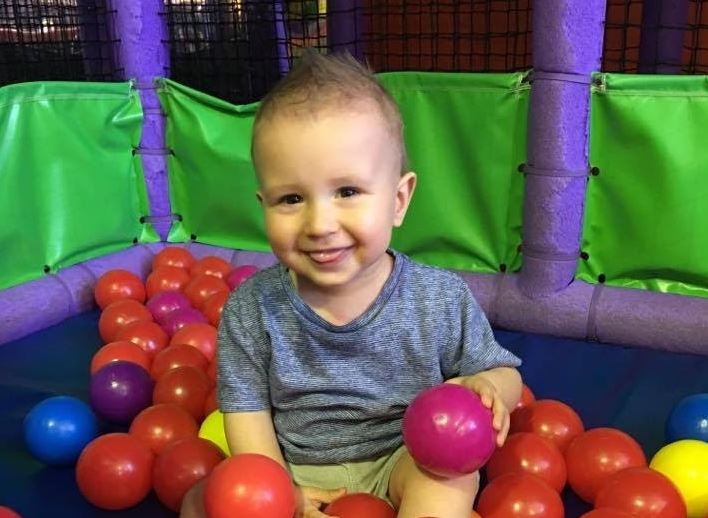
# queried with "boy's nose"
point(321, 220)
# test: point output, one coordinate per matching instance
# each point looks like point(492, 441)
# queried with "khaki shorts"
point(366, 476)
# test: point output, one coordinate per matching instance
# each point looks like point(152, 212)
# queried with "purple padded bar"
point(567, 46)
point(143, 55)
point(663, 28)
point(345, 26)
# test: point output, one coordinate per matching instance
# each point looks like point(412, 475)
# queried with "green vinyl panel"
point(70, 187)
point(647, 209)
point(211, 177)
point(466, 136)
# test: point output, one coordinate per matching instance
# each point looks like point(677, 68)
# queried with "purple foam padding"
point(662, 32)
point(345, 26)
point(141, 34)
point(281, 33)
point(567, 47)
point(235, 257)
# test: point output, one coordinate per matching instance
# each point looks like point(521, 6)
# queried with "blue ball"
point(689, 419)
point(58, 428)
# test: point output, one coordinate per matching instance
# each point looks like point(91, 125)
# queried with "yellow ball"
point(212, 429)
point(685, 463)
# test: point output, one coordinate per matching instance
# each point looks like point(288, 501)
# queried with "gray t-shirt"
point(338, 393)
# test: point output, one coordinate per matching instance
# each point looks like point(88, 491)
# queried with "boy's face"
point(331, 192)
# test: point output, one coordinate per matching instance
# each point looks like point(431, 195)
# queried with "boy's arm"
point(252, 432)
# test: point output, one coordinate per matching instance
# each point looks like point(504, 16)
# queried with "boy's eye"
point(290, 199)
point(347, 192)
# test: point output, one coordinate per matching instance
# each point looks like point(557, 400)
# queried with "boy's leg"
point(193, 502)
point(418, 493)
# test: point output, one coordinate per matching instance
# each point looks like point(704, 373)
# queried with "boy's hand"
point(310, 499)
point(490, 397)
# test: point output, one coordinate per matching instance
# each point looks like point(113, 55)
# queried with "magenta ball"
point(182, 317)
point(240, 274)
point(448, 431)
point(119, 391)
point(165, 302)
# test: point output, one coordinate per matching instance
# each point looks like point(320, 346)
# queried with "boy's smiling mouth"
point(328, 256)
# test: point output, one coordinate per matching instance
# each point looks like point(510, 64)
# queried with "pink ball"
point(448, 431)
point(165, 302)
point(182, 317)
point(240, 274)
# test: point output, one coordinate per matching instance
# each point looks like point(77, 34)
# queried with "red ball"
point(595, 455)
point(114, 471)
point(519, 495)
point(120, 351)
point(178, 355)
point(186, 386)
point(529, 453)
point(641, 492)
point(213, 306)
point(199, 335)
point(149, 336)
point(249, 486)
point(203, 286)
point(159, 425)
point(180, 465)
point(211, 403)
point(548, 418)
point(211, 265)
point(180, 318)
point(6, 512)
point(173, 256)
point(527, 397)
point(118, 315)
point(118, 285)
point(356, 505)
point(606, 513)
point(166, 278)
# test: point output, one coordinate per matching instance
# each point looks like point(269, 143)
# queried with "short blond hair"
point(323, 82)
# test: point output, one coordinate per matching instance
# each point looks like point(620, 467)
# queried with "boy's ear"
point(404, 193)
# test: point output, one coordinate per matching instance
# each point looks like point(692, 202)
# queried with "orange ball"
point(211, 403)
point(117, 285)
point(149, 336)
point(199, 335)
point(6, 512)
point(607, 513)
point(173, 256)
point(593, 456)
point(355, 505)
point(178, 355)
point(120, 351)
point(203, 286)
point(186, 386)
point(211, 265)
point(550, 419)
point(211, 371)
point(519, 495)
point(159, 425)
point(527, 397)
point(166, 278)
point(214, 305)
point(118, 314)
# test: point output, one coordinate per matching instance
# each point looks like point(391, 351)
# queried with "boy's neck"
point(343, 305)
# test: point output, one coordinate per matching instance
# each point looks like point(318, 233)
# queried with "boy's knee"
point(193, 502)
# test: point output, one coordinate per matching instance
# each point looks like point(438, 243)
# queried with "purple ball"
point(182, 317)
point(448, 431)
point(240, 274)
point(119, 391)
point(165, 302)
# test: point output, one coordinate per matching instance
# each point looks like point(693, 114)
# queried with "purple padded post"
point(345, 26)
point(141, 34)
point(567, 46)
point(663, 28)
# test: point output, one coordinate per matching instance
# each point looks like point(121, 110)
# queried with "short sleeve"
point(477, 350)
point(243, 356)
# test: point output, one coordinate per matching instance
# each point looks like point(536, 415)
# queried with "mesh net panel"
point(623, 22)
point(64, 40)
point(695, 44)
point(237, 49)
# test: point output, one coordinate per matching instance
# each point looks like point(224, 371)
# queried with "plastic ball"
point(199, 335)
point(527, 397)
point(180, 318)
point(186, 386)
point(685, 463)
point(119, 391)
point(119, 314)
point(213, 307)
point(203, 286)
point(530, 453)
point(159, 425)
point(58, 428)
point(448, 431)
point(249, 486)
point(163, 303)
point(180, 465)
point(239, 274)
point(689, 419)
point(118, 285)
point(593, 456)
point(211, 403)
point(173, 256)
point(641, 492)
point(166, 278)
point(607, 513)
point(149, 336)
point(178, 355)
point(519, 495)
point(120, 351)
point(548, 418)
point(210, 265)
point(356, 505)
point(6, 512)
point(212, 429)
point(114, 471)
